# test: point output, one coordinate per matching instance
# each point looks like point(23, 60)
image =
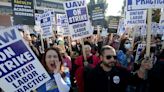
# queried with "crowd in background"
point(64, 60)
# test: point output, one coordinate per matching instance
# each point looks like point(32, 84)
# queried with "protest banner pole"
point(69, 41)
point(143, 38)
point(84, 54)
point(134, 33)
point(42, 43)
point(48, 44)
point(98, 32)
point(148, 40)
point(111, 36)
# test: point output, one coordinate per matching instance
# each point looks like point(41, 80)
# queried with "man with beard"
point(107, 77)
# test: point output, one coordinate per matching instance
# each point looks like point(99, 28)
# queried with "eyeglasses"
point(110, 56)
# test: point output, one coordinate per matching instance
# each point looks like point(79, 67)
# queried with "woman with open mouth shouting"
point(60, 79)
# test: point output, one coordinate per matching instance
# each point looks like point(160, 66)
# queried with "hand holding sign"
point(146, 65)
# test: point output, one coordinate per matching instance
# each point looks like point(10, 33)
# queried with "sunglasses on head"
point(110, 56)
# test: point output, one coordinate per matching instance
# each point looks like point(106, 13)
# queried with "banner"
point(144, 4)
point(97, 14)
point(121, 27)
point(53, 4)
point(78, 20)
point(23, 12)
point(113, 24)
point(46, 24)
point(136, 18)
point(62, 25)
point(20, 70)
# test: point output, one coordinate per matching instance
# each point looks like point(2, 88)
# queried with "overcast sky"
point(114, 7)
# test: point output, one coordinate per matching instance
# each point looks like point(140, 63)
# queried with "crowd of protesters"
point(110, 64)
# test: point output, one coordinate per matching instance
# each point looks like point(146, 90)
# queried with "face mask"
point(127, 46)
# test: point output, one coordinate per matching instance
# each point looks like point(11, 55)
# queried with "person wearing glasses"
point(107, 77)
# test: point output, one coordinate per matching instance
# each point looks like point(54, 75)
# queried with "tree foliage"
point(156, 15)
point(93, 2)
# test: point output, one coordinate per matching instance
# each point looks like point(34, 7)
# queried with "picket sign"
point(144, 4)
point(136, 18)
point(62, 25)
point(121, 27)
point(46, 24)
point(78, 19)
point(140, 48)
point(20, 70)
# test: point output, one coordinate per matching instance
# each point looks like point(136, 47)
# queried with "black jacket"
point(156, 78)
point(114, 81)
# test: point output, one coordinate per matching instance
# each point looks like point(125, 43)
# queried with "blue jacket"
point(51, 85)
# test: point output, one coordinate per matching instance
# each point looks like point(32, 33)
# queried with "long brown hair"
point(43, 61)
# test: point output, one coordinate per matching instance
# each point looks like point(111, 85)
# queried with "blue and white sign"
point(136, 18)
point(157, 28)
point(139, 50)
point(143, 29)
point(37, 19)
point(20, 70)
point(144, 4)
point(121, 27)
point(78, 20)
point(161, 22)
point(46, 24)
point(62, 25)
point(154, 28)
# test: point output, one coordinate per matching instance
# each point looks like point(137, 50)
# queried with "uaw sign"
point(144, 4)
point(46, 24)
point(20, 70)
point(78, 20)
